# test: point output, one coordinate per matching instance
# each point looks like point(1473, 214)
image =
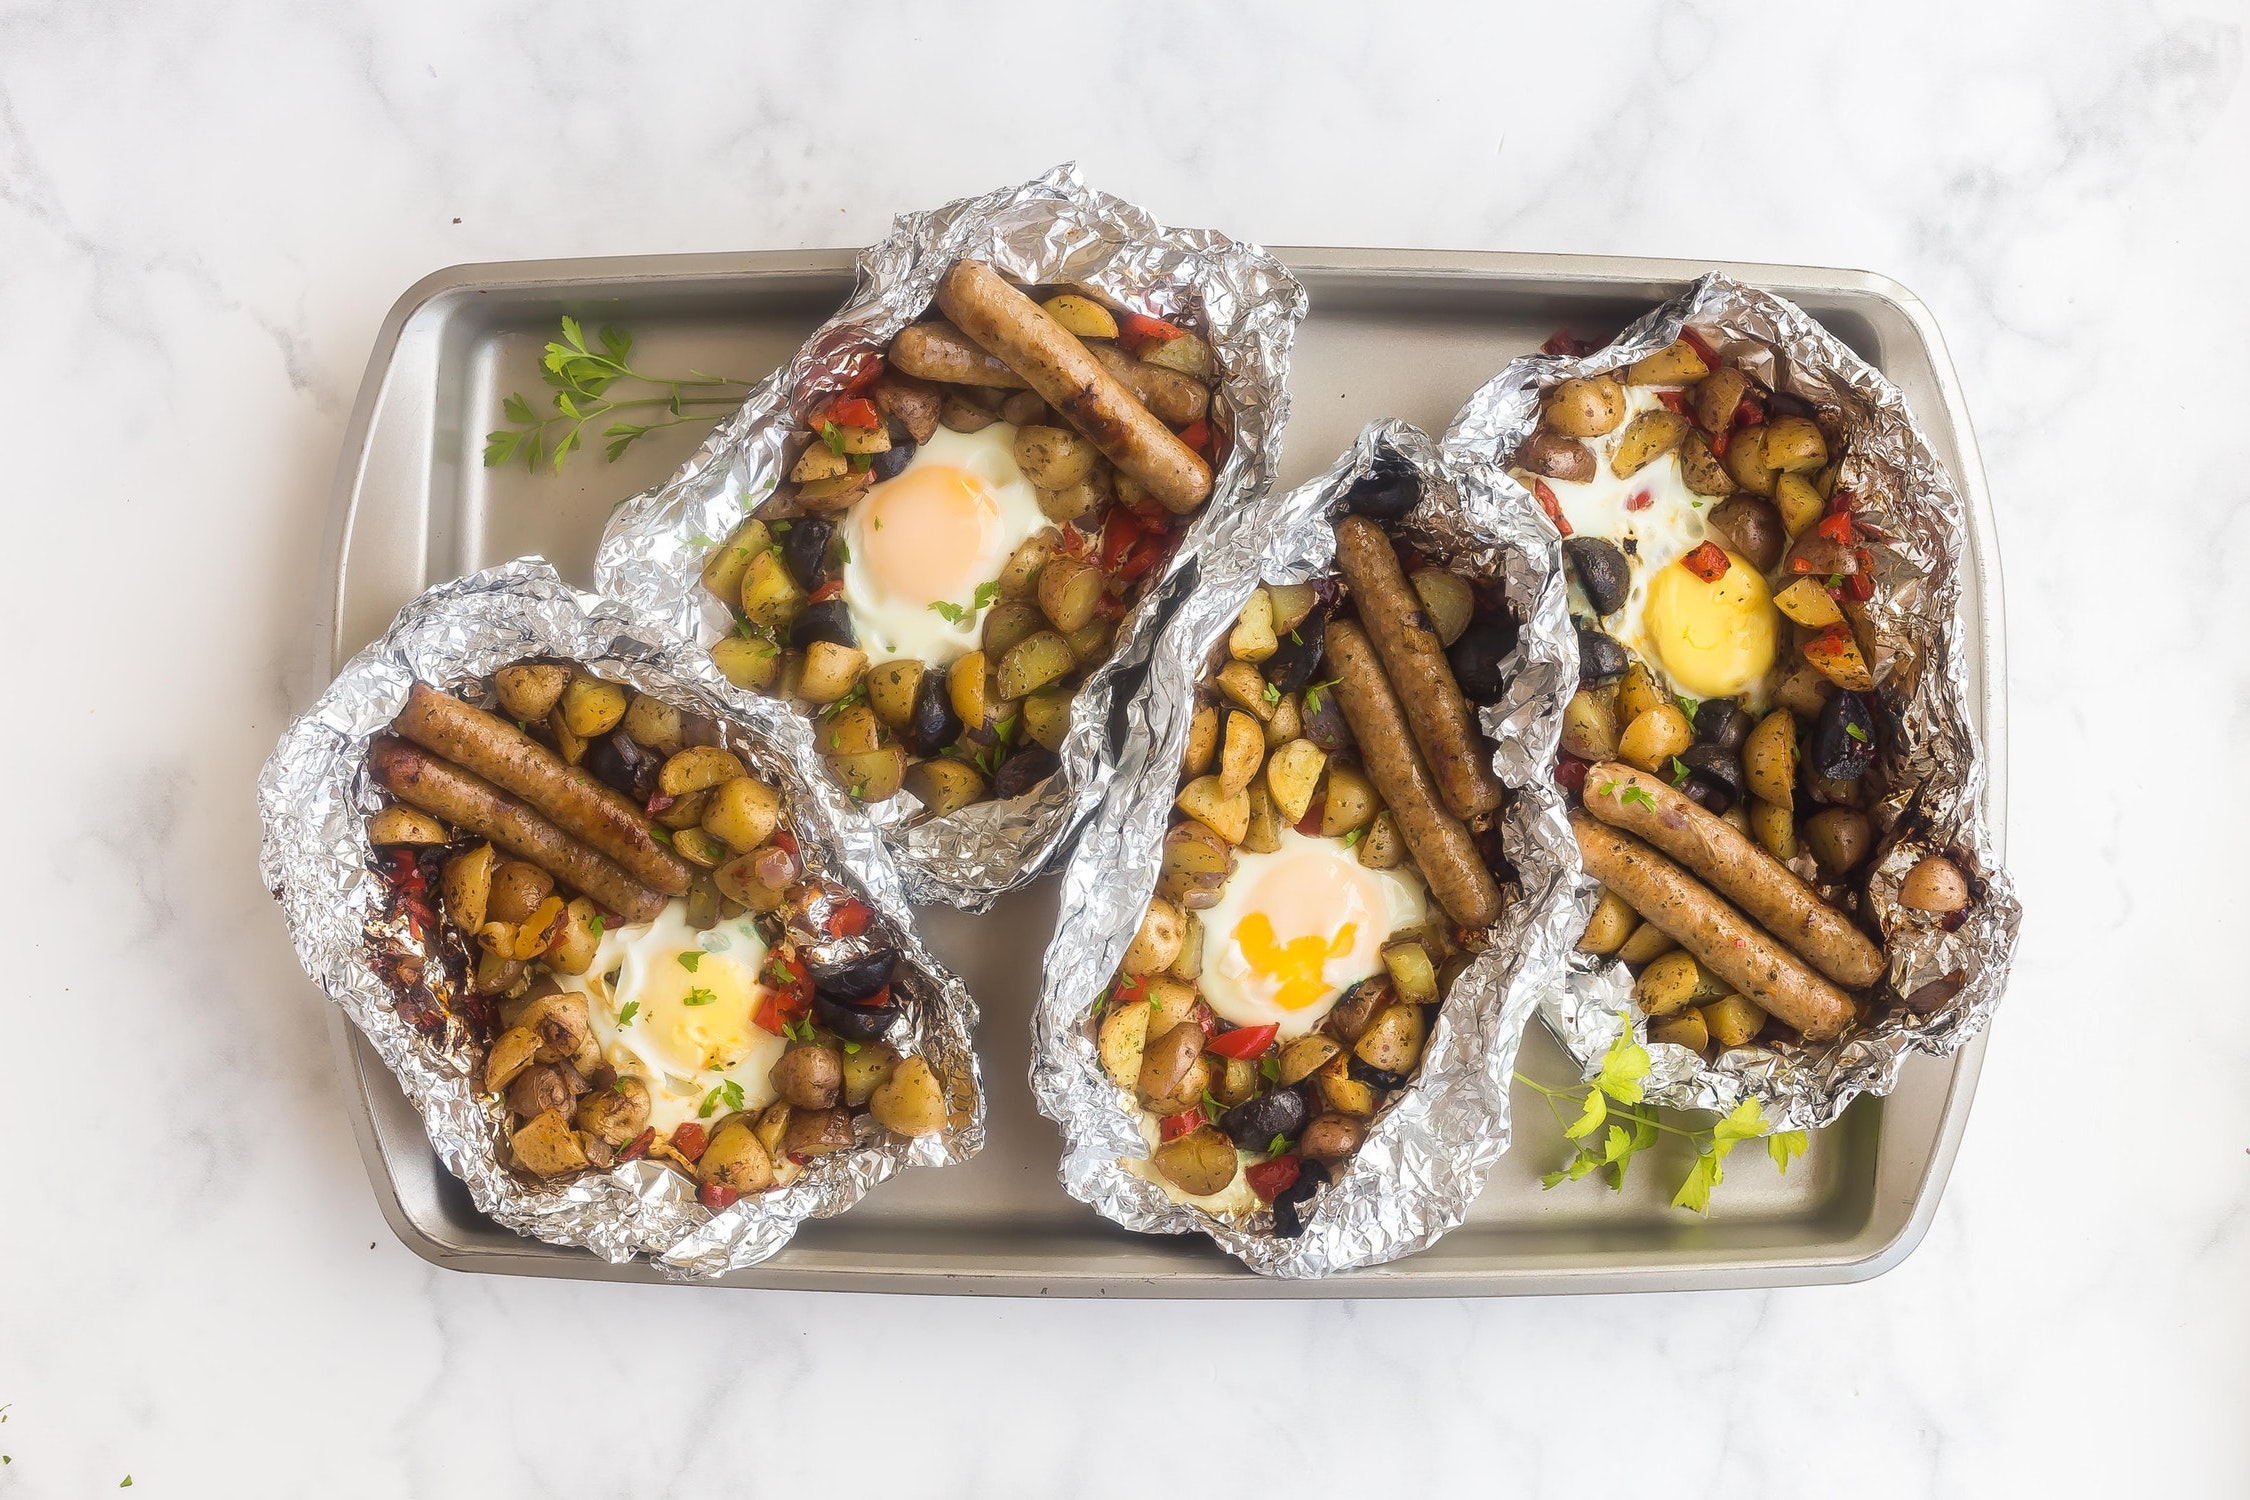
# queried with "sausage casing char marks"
point(1726, 942)
point(1441, 843)
point(1017, 330)
point(565, 795)
point(940, 352)
point(423, 780)
point(1414, 658)
point(1716, 851)
point(1176, 399)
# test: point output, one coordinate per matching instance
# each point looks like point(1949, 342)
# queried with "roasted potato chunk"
point(547, 1145)
point(944, 785)
point(911, 1101)
point(1677, 363)
point(591, 707)
point(1207, 800)
point(1292, 776)
point(1587, 406)
point(741, 813)
point(529, 693)
point(1351, 802)
point(1647, 438)
point(401, 825)
point(1253, 638)
point(1157, 942)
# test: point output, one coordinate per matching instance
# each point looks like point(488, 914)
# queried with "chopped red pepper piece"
point(717, 1195)
point(640, 1145)
point(1675, 401)
point(1639, 500)
point(1181, 1124)
point(1197, 434)
point(848, 411)
point(1563, 345)
point(1707, 562)
point(1700, 345)
point(405, 871)
point(1121, 532)
point(788, 997)
point(1837, 528)
point(1130, 990)
point(849, 918)
point(1570, 773)
point(659, 801)
point(1150, 551)
point(1748, 413)
point(1719, 442)
point(871, 369)
point(1552, 506)
point(829, 590)
point(1137, 331)
point(1270, 1179)
point(1244, 1043)
point(1859, 587)
point(690, 1140)
point(785, 840)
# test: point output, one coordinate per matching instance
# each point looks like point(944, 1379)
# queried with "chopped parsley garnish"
point(1273, 694)
point(625, 1016)
point(833, 437)
point(799, 1030)
point(1353, 837)
point(700, 996)
point(1856, 732)
point(843, 554)
point(1214, 1106)
point(1679, 770)
point(1688, 706)
point(1277, 1145)
point(985, 594)
point(1635, 794)
point(691, 959)
point(596, 924)
point(1312, 693)
point(1271, 1068)
point(948, 611)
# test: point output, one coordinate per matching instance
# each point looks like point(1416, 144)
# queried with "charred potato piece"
point(518, 888)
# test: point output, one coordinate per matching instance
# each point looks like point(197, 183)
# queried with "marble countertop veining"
point(205, 212)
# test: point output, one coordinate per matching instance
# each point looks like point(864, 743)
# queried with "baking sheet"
point(1405, 334)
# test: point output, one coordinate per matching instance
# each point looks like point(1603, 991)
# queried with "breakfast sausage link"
point(1175, 398)
point(937, 351)
point(1074, 383)
point(1744, 873)
point(1415, 659)
point(1439, 842)
point(1727, 943)
point(420, 779)
point(569, 797)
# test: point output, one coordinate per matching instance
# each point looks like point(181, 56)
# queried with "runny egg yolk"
point(1717, 639)
point(1294, 971)
point(931, 535)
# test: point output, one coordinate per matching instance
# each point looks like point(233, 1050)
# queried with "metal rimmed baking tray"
point(1391, 333)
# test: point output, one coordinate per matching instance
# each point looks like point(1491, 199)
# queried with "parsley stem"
point(1578, 1096)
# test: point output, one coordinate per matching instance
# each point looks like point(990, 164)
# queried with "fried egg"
point(1715, 639)
point(676, 1008)
point(934, 536)
point(1293, 929)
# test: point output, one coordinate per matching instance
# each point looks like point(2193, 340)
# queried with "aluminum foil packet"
point(1942, 983)
point(1431, 1149)
point(314, 795)
point(1051, 229)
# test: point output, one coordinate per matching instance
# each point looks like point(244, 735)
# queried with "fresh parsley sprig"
point(586, 382)
point(1614, 1097)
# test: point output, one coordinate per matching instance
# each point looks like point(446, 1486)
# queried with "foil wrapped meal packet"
point(1051, 230)
point(315, 794)
point(1430, 1149)
point(1943, 978)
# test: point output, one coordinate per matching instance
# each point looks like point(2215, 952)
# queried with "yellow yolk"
point(930, 535)
point(1296, 969)
point(1716, 639)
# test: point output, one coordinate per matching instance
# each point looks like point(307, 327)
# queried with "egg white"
point(682, 1052)
point(892, 625)
point(1231, 982)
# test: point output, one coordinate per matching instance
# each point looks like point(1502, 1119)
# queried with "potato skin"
point(1586, 406)
point(1157, 943)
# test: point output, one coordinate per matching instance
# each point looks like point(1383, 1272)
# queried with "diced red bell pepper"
point(1570, 774)
point(1639, 500)
point(1137, 331)
point(788, 994)
point(1182, 1123)
point(1150, 551)
point(849, 918)
point(1675, 401)
point(1552, 506)
point(871, 369)
point(1748, 413)
point(784, 839)
point(848, 411)
point(640, 1145)
point(690, 1140)
point(659, 802)
point(1563, 345)
point(405, 871)
point(1121, 532)
point(1270, 1179)
point(1243, 1043)
point(1719, 441)
point(829, 590)
point(717, 1195)
point(1700, 345)
point(1130, 990)
point(1837, 528)
point(1197, 434)
point(1859, 587)
point(1707, 562)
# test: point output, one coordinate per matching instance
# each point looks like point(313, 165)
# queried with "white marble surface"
point(205, 211)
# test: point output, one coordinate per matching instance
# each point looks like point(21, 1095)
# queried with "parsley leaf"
point(1855, 732)
point(1679, 770)
point(691, 960)
point(833, 437)
point(709, 1107)
point(625, 1016)
point(1278, 1145)
point(1635, 794)
point(1273, 694)
point(843, 554)
point(946, 610)
point(596, 925)
point(700, 996)
point(1313, 691)
point(1688, 706)
point(1271, 1068)
point(1354, 837)
point(732, 1093)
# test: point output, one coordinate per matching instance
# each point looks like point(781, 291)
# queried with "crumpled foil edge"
point(1908, 504)
point(1431, 1149)
point(313, 798)
point(1051, 229)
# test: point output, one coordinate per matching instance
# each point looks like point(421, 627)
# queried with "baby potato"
point(1769, 758)
point(1557, 457)
point(1007, 622)
point(1589, 729)
point(1798, 502)
point(735, 1158)
point(1305, 1056)
point(1611, 924)
point(1746, 461)
point(964, 680)
point(874, 776)
point(698, 767)
point(1242, 684)
point(1716, 397)
point(1032, 663)
point(1291, 602)
point(699, 848)
point(1253, 637)
point(1674, 981)
point(848, 731)
point(400, 825)
point(1019, 575)
point(1200, 1163)
point(1382, 847)
point(1082, 316)
point(1287, 723)
point(617, 1113)
point(1677, 363)
point(725, 564)
point(1637, 693)
point(944, 786)
point(1837, 657)
point(591, 707)
point(1202, 740)
point(573, 952)
point(1242, 752)
point(867, 1070)
point(1701, 469)
point(810, 1075)
point(1188, 965)
point(1809, 604)
point(749, 663)
point(770, 596)
point(1683, 1030)
point(910, 1101)
point(1794, 445)
point(547, 1145)
point(1648, 942)
point(1089, 642)
point(1157, 942)
point(1413, 976)
point(1447, 599)
point(654, 724)
point(512, 1051)
point(518, 889)
point(1655, 737)
point(1351, 802)
point(1262, 835)
point(1393, 1039)
point(1196, 863)
point(1122, 1037)
point(1331, 1137)
point(830, 672)
point(1774, 826)
point(1733, 1020)
point(1587, 406)
point(818, 1132)
point(528, 693)
point(1069, 590)
point(741, 813)
point(1053, 457)
point(1839, 838)
point(1647, 438)
point(1804, 691)
point(1292, 776)
point(1225, 813)
point(1046, 717)
point(1187, 354)
point(1935, 884)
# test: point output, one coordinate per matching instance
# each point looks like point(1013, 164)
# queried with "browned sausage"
point(1439, 842)
point(1087, 396)
point(420, 779)
point(1729, 944)
point(937, 351)
point(1742, 872)
point(1415, 659)
point(566, 796)
point(1175, 398)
